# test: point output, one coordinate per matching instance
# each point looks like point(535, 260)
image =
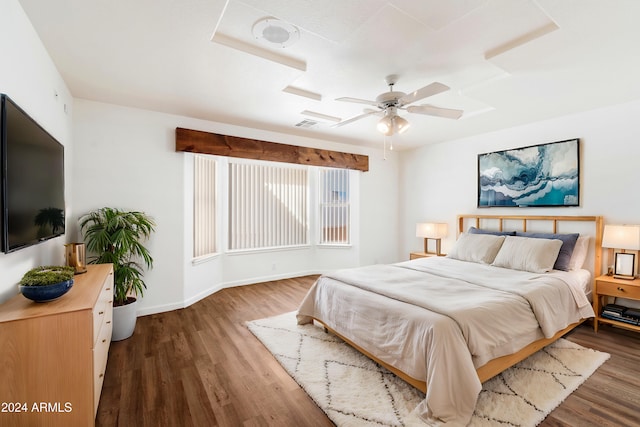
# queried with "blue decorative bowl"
point(47, 292)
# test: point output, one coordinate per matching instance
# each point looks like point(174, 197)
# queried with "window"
point(204, 206)
point(248, 205)
point(268, 205)
point(334, 206)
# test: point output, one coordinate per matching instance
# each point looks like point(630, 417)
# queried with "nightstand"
point(414, 255)
point(607, 286)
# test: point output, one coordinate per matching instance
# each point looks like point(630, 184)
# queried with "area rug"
point(355, 391)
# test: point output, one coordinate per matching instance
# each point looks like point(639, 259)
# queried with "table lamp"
point(623, 237)
point(431, 231)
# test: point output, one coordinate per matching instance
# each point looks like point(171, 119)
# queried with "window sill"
point(335, 245)
point(271, 249)
point(204, 258)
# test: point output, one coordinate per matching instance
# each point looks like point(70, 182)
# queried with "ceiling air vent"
point(306, 123)
point(275, 32)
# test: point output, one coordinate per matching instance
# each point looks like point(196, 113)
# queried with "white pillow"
point(528, 254)
point(480, 248)
point(579, 254)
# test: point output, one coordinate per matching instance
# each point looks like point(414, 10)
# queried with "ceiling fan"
point(389, 103)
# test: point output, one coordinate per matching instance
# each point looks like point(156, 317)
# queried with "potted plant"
point(46, 283)
point(115, 236)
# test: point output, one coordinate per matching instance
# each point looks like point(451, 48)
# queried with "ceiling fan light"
point(400, 125)
point(385, 125)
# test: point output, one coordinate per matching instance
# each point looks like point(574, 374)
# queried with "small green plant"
point(115, 236)
point(47, 275)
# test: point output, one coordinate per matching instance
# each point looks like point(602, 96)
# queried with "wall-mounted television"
point(32, 180)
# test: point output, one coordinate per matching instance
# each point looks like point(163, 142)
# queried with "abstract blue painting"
point(539, 175)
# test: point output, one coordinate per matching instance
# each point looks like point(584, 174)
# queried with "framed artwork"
point(624, 265)
point(538, 175)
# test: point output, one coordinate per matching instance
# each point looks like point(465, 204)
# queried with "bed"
point(509, 286)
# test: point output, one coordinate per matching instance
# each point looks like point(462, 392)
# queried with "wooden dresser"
point(53, 355)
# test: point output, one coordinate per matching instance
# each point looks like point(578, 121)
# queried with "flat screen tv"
point(32, 180)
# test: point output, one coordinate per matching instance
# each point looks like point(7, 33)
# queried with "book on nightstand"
point(621, 314)
point(614, 310)
point(629, 320)
point(633, 313)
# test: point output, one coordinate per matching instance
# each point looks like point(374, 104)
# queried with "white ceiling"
point(508, 62)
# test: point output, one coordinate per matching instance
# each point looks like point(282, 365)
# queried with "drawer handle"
point(104, 340)
point(620, 288)
point(108, 321)
point(108, 289)
point(101, 375)
point(100, 313)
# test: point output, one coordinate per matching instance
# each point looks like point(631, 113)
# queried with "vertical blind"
point(204, 206)
point(267, 206)
point(334, 206)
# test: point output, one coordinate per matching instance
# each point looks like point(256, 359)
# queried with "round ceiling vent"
point(275, 32)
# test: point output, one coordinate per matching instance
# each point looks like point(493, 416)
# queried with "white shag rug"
point(354, 391)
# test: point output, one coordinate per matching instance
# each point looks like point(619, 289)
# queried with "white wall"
point(126, 158)
point(440, 181)
point(381, 211)
point(30, 79)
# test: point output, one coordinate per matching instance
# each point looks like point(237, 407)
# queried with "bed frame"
point(500, 364)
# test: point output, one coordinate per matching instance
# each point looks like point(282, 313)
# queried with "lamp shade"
point(431, 230)
point(392, 123)
point(385, 125)
point(621, 237)
point(400, 125)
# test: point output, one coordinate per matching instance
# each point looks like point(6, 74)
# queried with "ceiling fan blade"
point(367, 112)
point(432, 110)
point(358, 101)
point(429, 90)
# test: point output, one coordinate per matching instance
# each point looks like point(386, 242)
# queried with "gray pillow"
point(473, 230)
point(563, 261)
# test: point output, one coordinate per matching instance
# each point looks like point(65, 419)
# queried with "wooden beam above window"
point(195, 141)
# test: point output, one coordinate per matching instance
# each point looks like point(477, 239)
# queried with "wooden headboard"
point(550, 224)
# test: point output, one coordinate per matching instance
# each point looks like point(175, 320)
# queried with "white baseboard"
point(159, 309)
point(202, 295)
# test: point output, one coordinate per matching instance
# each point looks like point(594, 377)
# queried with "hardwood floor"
point(200, 366)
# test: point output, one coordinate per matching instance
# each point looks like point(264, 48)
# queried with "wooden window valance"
point(195, 141)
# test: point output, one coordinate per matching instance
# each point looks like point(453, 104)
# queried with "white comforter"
point(474, 313)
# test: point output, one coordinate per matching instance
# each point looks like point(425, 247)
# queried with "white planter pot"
point(124, 321)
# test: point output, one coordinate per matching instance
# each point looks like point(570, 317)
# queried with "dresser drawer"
point(100, 353)
point(618, 290)
point(103, 318)
point(100, 314)
point(103, 309)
